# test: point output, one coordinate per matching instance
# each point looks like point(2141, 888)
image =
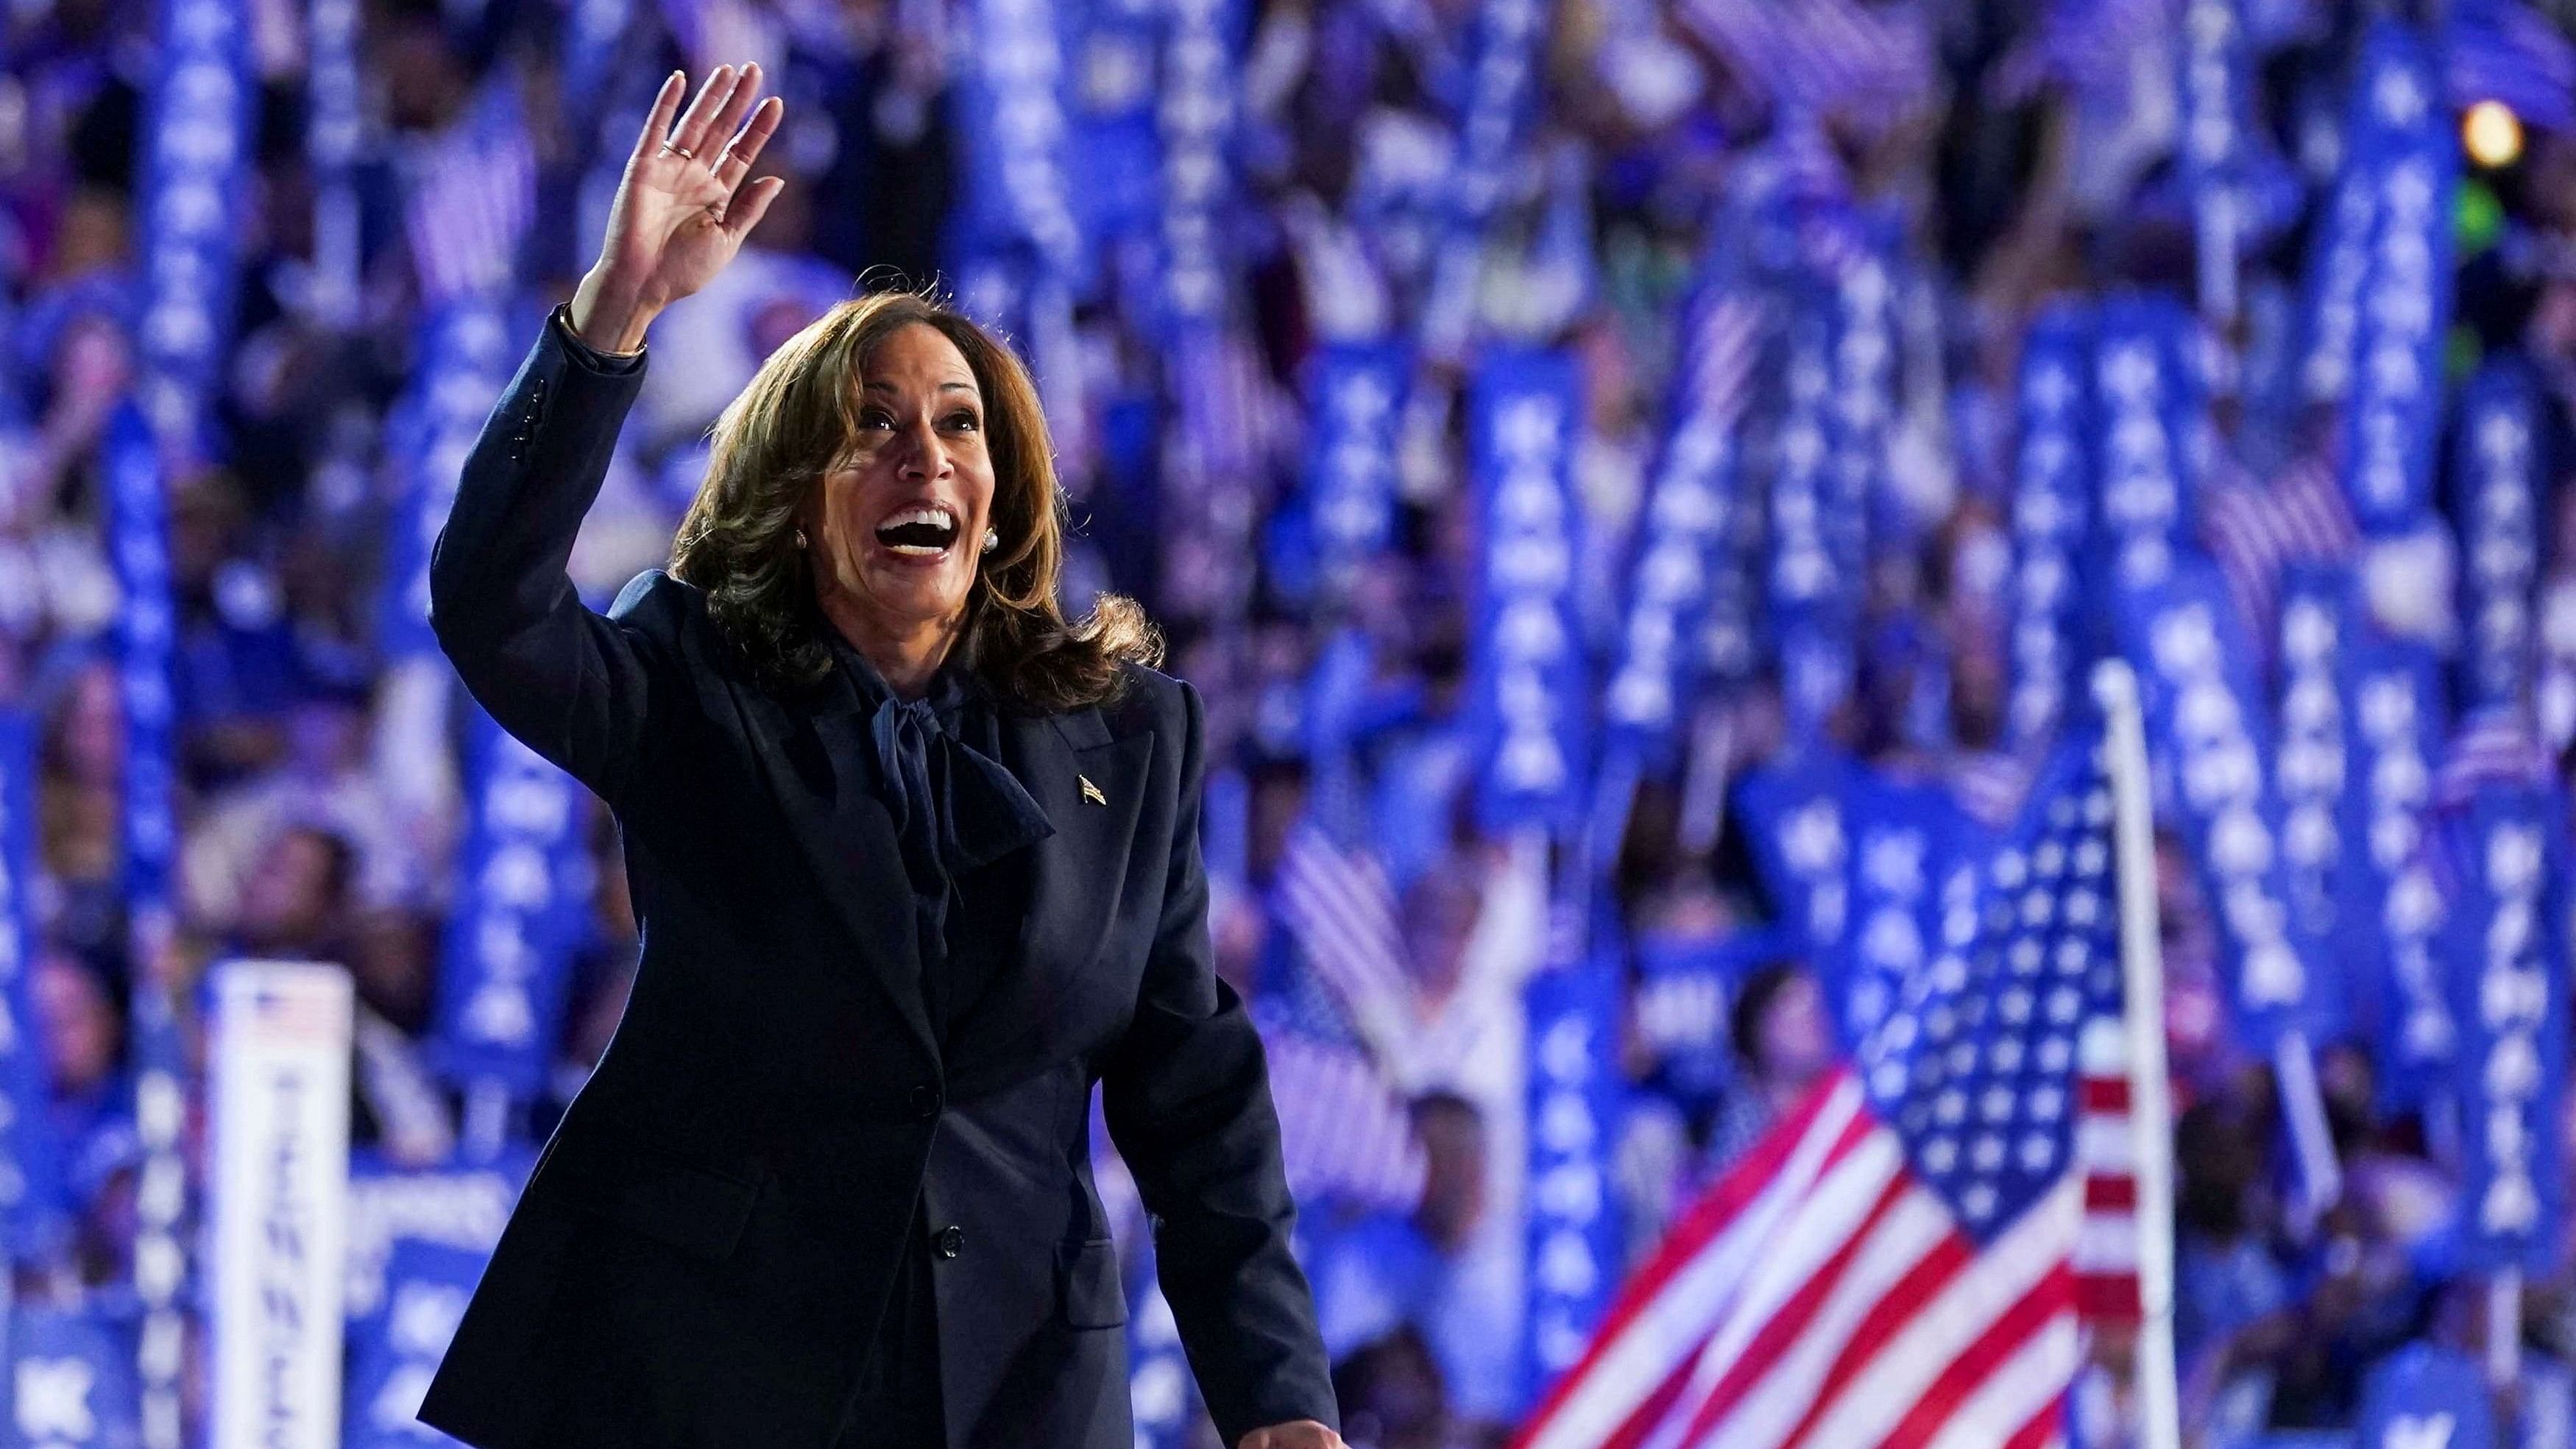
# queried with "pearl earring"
point(992, 540)
point(800, 538)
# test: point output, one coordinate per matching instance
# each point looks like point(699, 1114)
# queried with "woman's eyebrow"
point(943, 387)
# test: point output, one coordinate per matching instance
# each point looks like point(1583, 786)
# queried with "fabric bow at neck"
point(955, 806)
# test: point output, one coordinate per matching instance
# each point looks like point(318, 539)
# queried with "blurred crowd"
point(320, 793)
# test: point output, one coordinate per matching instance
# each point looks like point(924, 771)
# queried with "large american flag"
point(1896, 1263)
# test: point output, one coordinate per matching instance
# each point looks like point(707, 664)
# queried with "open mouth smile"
point(924, 532)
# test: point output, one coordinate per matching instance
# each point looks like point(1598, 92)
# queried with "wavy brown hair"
point(794, 424)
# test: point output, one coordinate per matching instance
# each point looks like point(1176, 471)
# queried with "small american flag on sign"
point(1342, 910)
point(1897, 1264)
point(296, 1013)
point(1345, 1135)
point(2256, 529)
point(1871, 61)
point(472, 196)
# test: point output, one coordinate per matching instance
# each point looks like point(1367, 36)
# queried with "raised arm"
point(1187, 1100)
point(575, 687)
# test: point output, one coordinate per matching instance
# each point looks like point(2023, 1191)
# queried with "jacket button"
point(952, 1241)
point(925, 1101)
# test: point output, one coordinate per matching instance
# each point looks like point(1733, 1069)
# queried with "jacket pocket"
point(660, 1193)
point(1093, 1295)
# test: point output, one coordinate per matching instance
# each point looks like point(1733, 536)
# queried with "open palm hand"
point(682, 209)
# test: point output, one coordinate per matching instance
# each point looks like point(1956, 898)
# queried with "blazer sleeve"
point(1186, 1095)
point(577, 688)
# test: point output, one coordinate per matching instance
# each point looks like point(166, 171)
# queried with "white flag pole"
point(2150, 1107)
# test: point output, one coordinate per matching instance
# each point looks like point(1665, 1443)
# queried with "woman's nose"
point(925, 453)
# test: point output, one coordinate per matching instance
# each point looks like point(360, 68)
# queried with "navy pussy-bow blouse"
point(939, 772)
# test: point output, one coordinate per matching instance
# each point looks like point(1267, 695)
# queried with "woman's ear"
point(805, 521)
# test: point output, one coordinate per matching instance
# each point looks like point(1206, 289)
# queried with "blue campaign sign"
point(1502, 82)
point(2205, 718)
point(1686, 987)
point(2503, 852)
point(1195, 118)
point(2052, 518)
point(394, 1357)
point(32, 1205)
point(198, 141)
point(1355, 394)
point(71, 1381)
point(2216, 89)
point(465, 364)
point(1115, 153)
point(1575, 1097)
point(523, 894)
point(456, 1207)
point(1907, 839)
point(2424, 1397)
point(1019, 194)
point(2407, 160)
point(2314, 759)
point(1794, 813)
point(1861, 402)
point(524, 891)
point(2397, 721)
point(1814, 607)
point(1691, 505)
point(1529, 698)
point(138, 537)
point(2147, 417)
point(2497, 489)
point(2338, 264)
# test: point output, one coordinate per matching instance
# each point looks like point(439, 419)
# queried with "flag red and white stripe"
point(1873, 61)
point(2106, 1245)
point(1344, 1135)
point(2491, 745)
point(473, 196)
point(1341, 907)
point(2254, 530)
point(1822, 1296)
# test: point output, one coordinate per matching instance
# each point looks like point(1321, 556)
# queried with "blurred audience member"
point(1784, 1044)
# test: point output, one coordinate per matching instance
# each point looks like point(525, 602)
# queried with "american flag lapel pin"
point(1091, 792)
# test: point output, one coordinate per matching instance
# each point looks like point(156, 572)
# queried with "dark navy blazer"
point(711, 1231)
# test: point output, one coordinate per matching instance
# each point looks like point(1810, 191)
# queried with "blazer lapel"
point(1078, 874)
point(845, 834)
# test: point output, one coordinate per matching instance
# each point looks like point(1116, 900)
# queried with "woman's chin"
point(914, 589)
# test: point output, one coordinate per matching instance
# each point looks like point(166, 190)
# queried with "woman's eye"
point(876, 418)
point(965, 420)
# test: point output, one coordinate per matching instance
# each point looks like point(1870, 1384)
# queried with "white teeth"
point(936, 516)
